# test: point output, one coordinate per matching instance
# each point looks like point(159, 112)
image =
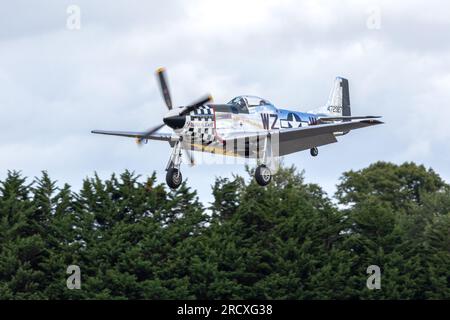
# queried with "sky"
point(67, 67)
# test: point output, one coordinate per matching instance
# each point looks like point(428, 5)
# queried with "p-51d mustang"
point(249, 127)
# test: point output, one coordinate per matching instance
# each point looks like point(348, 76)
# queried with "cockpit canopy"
point(249, 101)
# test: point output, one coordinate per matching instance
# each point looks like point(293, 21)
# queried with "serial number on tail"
point(334, 109)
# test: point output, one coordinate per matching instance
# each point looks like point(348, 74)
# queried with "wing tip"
point(371, 121)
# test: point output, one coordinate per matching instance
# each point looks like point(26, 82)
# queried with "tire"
point(174, 178)
point(263, 176)
point(314, 151)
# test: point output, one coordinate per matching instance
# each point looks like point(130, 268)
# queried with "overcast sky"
point(57, 83)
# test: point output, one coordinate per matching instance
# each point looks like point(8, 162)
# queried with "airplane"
point(248, 126)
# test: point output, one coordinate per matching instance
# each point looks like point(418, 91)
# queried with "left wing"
point(137, 135)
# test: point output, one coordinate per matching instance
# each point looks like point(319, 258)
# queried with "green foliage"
point(135, 239)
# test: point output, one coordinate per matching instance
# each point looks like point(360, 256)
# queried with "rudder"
point(339, 100)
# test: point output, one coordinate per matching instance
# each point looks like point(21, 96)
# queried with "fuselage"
point(217, 122)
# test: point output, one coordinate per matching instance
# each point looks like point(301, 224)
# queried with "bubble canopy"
point(249, 101)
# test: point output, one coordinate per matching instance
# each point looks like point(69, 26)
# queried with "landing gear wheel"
point(174, 178)
point(263, 175)
point(314, 151)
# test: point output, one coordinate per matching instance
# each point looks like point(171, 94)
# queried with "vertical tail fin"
point(338, 103)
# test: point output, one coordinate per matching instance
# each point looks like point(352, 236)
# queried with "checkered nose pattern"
point(200, 125)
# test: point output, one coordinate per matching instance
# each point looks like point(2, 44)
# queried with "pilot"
point(263, 102)
point(242, 103)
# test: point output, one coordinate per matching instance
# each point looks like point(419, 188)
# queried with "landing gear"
point(263, 175)
point(174, 178)
point(173, 175)
point(314, 151)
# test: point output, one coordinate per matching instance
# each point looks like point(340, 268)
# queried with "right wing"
point(346, 118)
point(137, 135)
point(292, 140)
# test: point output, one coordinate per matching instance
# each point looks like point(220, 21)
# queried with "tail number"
point(335, 109)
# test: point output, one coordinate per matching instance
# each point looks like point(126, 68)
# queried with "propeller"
point(190, 157)
point(176, 117)
point(197, 104)
point(164, 87)
point(161, 73)
point(148, 133)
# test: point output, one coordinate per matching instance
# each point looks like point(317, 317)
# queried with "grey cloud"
point(56, 85)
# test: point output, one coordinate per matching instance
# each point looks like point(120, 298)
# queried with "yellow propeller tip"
point(160, 69)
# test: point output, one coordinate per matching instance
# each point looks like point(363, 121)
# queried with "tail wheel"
point(314, 151)
point(174, 178)
point(263, 175)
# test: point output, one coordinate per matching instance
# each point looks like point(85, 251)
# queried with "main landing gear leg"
point(263, 174)
point(173, 175)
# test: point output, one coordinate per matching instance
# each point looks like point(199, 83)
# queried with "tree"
point(400, 186)
point(134, 239)
point(390, 208)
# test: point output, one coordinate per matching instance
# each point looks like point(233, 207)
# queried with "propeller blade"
point(148, 133)
point(195, 105)
point(190, 157)
point(161, 73)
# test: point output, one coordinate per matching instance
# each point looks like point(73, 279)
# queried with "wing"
point(131, 134)
point(347, 118)
point(292, 140)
